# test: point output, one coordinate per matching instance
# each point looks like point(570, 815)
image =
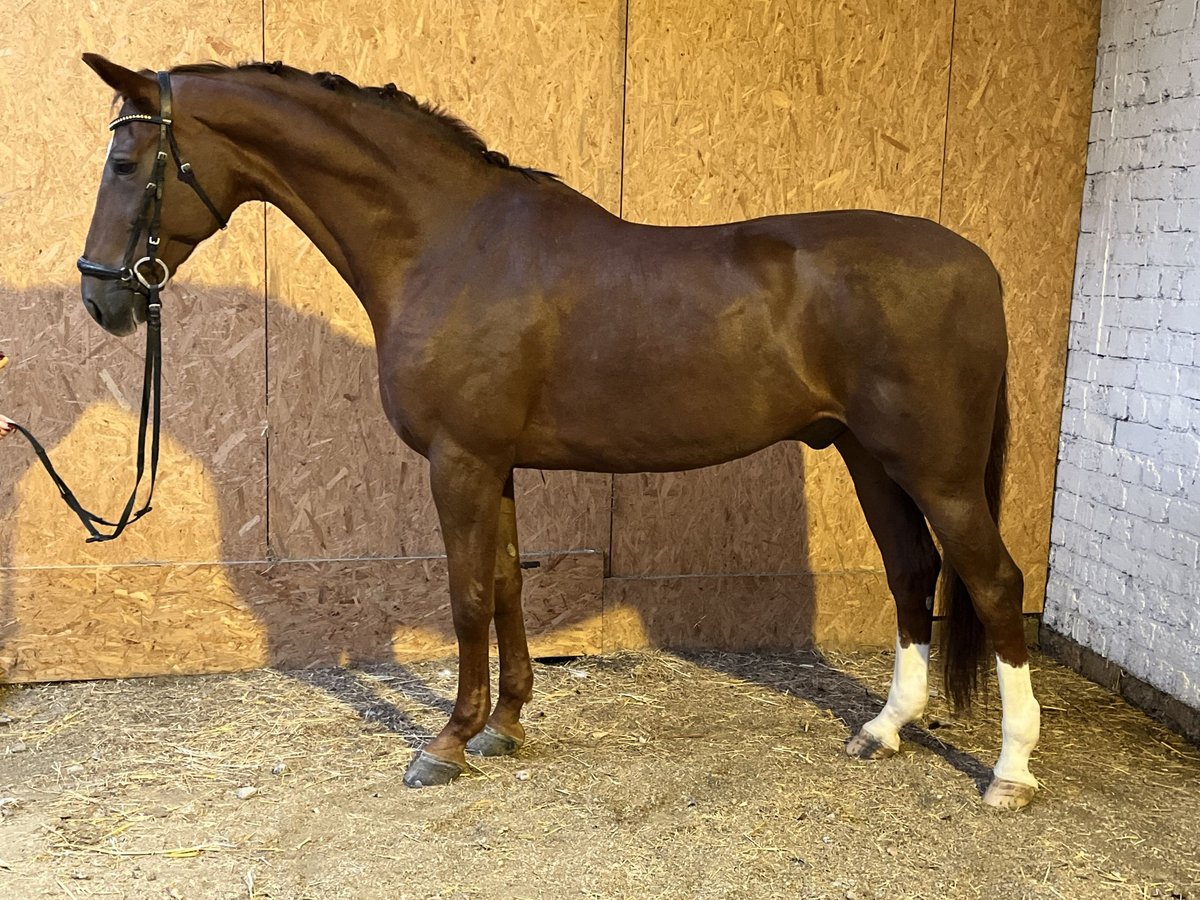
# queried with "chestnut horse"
point(517, 323)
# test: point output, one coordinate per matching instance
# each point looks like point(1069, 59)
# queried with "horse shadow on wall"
point(309, 615)
point(347, 498)
point(214, 419)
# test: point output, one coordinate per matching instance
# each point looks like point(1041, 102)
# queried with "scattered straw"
point(645, 774)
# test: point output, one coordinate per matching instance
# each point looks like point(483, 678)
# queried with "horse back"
point(615, 346)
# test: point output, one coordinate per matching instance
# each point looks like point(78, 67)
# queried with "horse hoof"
point(1003, 794)
point(867, 746)
point(427, 770)
point(491, 742)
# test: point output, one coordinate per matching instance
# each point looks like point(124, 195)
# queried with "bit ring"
point(146, 283)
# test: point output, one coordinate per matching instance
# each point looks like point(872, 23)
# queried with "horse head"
point(146, 224)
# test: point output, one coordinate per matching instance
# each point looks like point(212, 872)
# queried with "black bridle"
point(137, 276)
point(130, 272)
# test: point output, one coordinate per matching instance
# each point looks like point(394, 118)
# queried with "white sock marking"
point(1021, 719)
point(907, 696)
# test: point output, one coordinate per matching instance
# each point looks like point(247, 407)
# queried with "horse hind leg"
point(912, 564)
point(973, 548)
point(503, 734)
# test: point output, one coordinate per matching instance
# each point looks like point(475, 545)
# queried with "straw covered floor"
point(646, 774)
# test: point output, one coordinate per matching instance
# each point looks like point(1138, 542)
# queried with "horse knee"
point(472, 614)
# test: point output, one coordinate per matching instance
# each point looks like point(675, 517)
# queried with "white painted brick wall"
point(1125, 540)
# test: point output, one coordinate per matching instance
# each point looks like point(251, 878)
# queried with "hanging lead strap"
point(151, 384)
point(152, 274)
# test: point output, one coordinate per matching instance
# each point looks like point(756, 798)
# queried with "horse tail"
point(963, 638)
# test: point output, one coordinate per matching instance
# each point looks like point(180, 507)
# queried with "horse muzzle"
point(116, 306)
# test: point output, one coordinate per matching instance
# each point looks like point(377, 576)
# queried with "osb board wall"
point(730, 110)
point(748, 612)
point(69, 381)
point(541, 81)
point(77, 387)
point(739, 110)
point(1019, 108)
point(70, 609)
point(189, 618)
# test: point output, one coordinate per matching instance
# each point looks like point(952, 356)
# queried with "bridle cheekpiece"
point(149, 274)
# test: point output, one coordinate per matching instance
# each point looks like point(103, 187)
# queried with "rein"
point(147, 276)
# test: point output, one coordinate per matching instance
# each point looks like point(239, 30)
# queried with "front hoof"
point(866, 746)
point(491, 742)
point(427, 770)
point(1003, 794)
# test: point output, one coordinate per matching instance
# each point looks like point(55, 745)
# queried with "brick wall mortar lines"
point(1125, 539)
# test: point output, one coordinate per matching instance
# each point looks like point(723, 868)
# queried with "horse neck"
point(348, 175)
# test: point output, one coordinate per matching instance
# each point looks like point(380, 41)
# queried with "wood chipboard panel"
point(740, 110)
point(733, 110)
point(541, 81)
point(122, 621)
point(1010, 118)
point(1020, 104)
point(748, 612)
point(76, 386)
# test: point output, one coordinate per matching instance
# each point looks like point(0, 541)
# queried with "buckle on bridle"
point(145, 282)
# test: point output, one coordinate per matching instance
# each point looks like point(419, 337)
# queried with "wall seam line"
point(266, 332)
point(946, 130)
point(612, 482)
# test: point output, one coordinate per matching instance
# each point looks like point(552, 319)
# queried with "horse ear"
point(139, 88)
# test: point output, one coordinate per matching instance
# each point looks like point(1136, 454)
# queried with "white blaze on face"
point(1021, 723)
point(112, 136)
point(907, 696)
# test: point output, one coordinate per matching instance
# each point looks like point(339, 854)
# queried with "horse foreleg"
point(912, 565)
point(503, 734)
point(466, 491)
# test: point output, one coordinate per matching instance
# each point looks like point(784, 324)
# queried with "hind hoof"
point(867, 746)
point(427, 770)
point(1003, 794)
point(491, 742)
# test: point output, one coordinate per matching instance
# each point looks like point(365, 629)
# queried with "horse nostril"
point(94, 310)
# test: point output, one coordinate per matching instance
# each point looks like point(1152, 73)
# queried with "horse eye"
point(124, 167)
